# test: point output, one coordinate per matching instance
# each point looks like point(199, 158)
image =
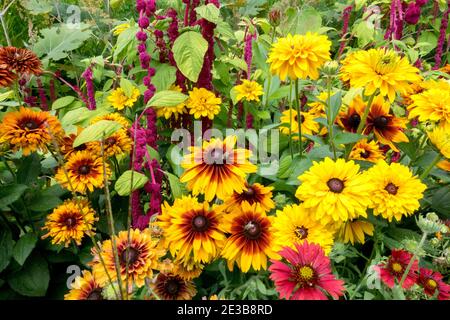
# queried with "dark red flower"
point(395, 267)
point(431, 281)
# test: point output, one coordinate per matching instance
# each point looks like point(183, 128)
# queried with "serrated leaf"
point(55, 43)
point(209, 12)
point(97, 131)
point(167, 98)
point(123, 184)
point(62, 102)
point(189, 51)
point(23, 247)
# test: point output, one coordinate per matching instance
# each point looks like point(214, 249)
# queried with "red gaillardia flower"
point(395, 267)
point(305, 274)
point(431, 281)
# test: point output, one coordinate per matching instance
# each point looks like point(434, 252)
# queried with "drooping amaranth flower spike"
point(88, 77)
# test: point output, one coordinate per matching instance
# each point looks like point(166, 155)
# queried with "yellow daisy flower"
point(203, 103)
point(440, 137)
point(381, 69)
point(249, 90)
point(217, 168)
point(117, 144)
point(335, 191)
point(396, 192)
point(354, 231)
point(85, 287)
point(432, 104)
point(175, 111)
point(68, 223)
point(299, 56)
point(141, 254)
point(309, 126)
point(169, 286)
point(250, 241)
point(117, 117)
point(367, 151)
point(295, 224)
point(85, 172)
point(193, 229)
point(119, 100)
point(255, 193)
point(29, 130)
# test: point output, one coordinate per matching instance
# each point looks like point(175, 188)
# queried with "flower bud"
point(330, 68)
point(275, 16)
point(430, 223)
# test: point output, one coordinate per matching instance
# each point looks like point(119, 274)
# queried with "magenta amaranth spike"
point(441, 39)
point(412, 14)
point(42, 96)
point(248, 52)
point(88, 77)
point(345, 18)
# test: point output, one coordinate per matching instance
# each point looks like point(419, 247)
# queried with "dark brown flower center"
point(84, 169)
point(200, 223)
point(381, 122)
point(81, 147)
point(95, 294)
point(30, 124)
point(110, 141)
point(249, 193)
point(354, 120)
point(132, 254)
point(172, 286)
point(301, 232)
point(336, 185)
point(365, 154)
point(217, 157)
point(252, 230)
point(391, 188)
point(302, 118)
point(70, 222)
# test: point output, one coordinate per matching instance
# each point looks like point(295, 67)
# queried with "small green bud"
point(429, 224)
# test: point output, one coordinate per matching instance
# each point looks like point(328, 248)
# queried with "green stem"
point(290, 120)
point(362, 124)
point(111, 222)
point(365, 270)
point(5, 30)
point(299, 119)
point(269, 79)
point(430, 167)
point(330, 120)
point(405, 274)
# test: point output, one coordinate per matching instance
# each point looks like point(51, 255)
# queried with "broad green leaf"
point(97, 131)
point(33, 279)
point(189, 51)
point(209, 12)
point(124, 40)
point(347, 137)
point(62, 102)
point(176, 187)
point(55, 43)
point(167, 98)
point(335, 105)
point(23, 247)
point(11, 193)
point(6, 95)
point(123, 184)
point(127, 87)
point(153, 153)
point(441, 201)
point(309, 19)
point(38, 7)
point(43, 203)
point(6, 247)
point(164, 77)
point(29, 169)
point(365, 32)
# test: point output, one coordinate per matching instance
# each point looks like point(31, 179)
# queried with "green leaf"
point(309, 19)
point(335, 105)
point(23, 247)
point(55, 43)
point(189, 51)
point(6, 245)
point(11, 193)
point(441, 201)
point(97, 131)
point(176, 187)
point(29, 170)
point(127, 87)
point(124, 40)
point(164, 77)
point(365, 32)
point(44, 203)
point(209, 12)
point(347, 138)
point(38, 7)
point(153, 154)
point(33, 279)
point(123, 184)
point(62, 102)
point(167, 98)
